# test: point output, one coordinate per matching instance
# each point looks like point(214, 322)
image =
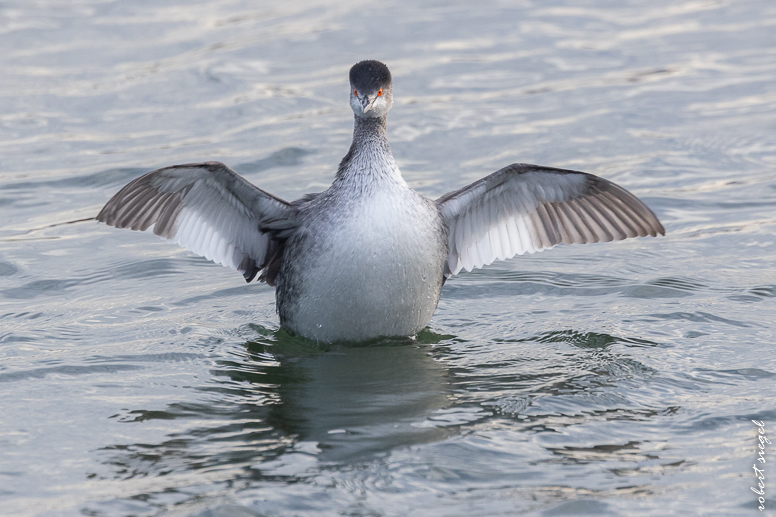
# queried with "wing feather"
point(528, 208)
point(206, 208)
point(595, 221)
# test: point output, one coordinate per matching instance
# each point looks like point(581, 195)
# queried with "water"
point(609, 379)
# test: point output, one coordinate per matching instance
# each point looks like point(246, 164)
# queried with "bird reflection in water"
point(286, 405)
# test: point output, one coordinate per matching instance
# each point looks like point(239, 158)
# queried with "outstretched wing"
point(206, 208)
point(527, 208)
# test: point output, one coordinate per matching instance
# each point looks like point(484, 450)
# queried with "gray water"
point(608, 379)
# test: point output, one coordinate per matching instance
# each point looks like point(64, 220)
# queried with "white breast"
point(365, 267)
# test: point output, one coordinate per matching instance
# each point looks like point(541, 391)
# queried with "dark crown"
point(370, 75)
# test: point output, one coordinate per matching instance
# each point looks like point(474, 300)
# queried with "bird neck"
point(370, 129)
point(370, 158)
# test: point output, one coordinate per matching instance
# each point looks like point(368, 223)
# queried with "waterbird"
point(368, 256)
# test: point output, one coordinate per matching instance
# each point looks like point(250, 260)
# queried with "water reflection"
point(282, 406)
point(282, 395)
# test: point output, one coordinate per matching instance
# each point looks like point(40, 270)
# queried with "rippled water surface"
point(608, 379)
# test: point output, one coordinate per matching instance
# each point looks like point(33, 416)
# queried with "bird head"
point(370, 89)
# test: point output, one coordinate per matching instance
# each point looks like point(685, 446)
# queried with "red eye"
point(380, 92)
point(355, 92)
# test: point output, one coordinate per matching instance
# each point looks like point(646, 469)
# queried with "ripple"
point(106, 178)
point(654, 291)
point(589, 339)
point(288, 157)
point(8, 269)
point(40, 373)
point(752, 374)
point(699, 317)
point(37, 288)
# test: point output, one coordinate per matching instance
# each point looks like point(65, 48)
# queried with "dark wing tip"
point(102, 217)
point(141, 202)
point(249, 267)
point(634, 209)
point(122, 201)
point(659, 227)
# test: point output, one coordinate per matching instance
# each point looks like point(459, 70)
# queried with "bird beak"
point(367, 103)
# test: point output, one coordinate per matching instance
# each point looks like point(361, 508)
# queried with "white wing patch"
point(227, 242)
